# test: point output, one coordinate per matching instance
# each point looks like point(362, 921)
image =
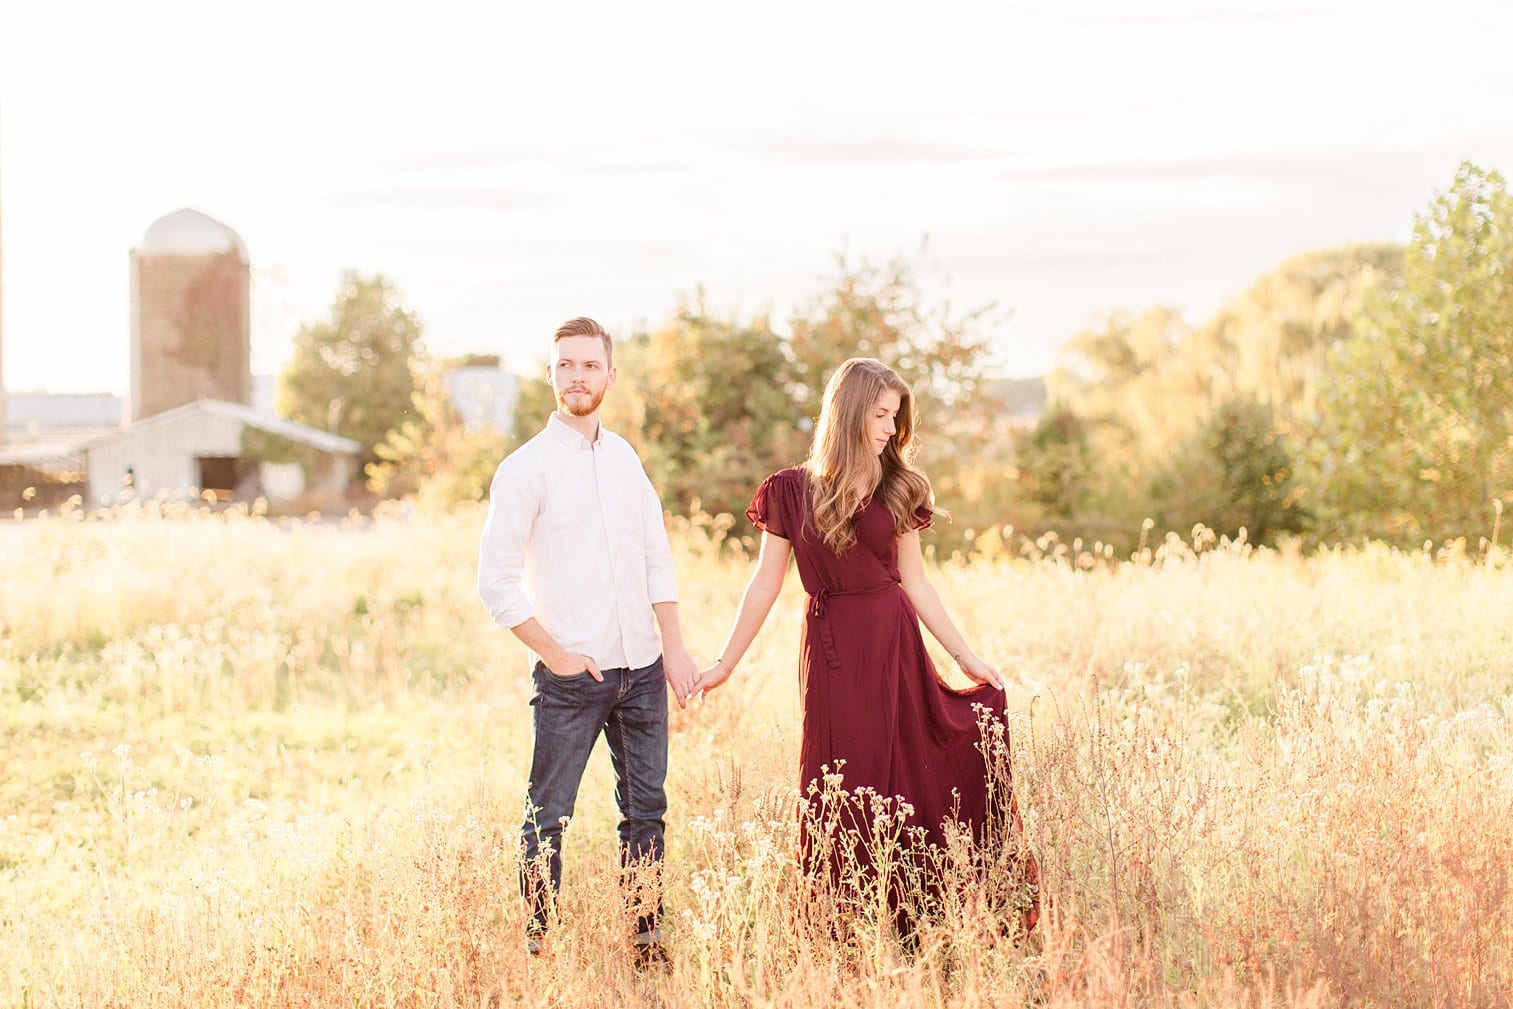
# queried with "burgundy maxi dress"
point(872, 701)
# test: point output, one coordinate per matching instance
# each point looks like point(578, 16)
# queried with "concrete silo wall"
point(191, 331)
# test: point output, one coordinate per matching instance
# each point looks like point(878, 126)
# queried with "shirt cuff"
point(513, 615)
point(662, 590)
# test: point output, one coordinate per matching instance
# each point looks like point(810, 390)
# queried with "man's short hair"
point(584, 326)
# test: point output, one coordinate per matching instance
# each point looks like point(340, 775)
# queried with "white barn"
point(202, 446)
point(485, 396)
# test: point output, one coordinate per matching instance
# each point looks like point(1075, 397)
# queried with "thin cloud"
point(1201, 16)
point(1073, 262)
point(436, 196)
point(1306, 165)
point(558, 160)
point(821, 146)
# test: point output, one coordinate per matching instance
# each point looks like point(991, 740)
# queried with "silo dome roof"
point(190, 233)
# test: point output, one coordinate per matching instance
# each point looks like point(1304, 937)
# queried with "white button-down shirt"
point(574, 537)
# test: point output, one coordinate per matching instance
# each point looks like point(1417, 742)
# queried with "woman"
point(875, 711)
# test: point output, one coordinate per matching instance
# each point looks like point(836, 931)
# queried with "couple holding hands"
point(575, 562)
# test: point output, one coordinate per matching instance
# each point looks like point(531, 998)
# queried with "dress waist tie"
point(819, 599)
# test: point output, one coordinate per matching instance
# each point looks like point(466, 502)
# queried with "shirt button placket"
point(606, 513)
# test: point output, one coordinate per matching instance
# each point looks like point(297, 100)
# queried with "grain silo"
point(3, 422)
point(190, 315)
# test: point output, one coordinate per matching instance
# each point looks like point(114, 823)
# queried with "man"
point(575, 562)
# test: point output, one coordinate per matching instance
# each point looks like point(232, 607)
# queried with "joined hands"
point(682, 675)
point(714, 675)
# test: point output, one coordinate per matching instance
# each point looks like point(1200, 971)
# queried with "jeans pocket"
point(542, 671)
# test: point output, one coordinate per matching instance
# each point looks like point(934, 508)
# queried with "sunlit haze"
point(509, 167)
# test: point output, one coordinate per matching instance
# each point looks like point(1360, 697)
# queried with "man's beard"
point(582, 409)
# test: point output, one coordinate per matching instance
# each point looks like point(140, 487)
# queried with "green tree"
point(1139, 385)
point(1416, 439)
point(354, 373)
point(1271, 343)
point(711, 408)
point(881, 312)
point(431, 456)
point(1140, 382)
point(1235, 472)
point(1155, 394)
point(534, 403)
point(1054, 464)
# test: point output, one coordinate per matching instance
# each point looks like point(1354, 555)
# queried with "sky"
point(509, 168)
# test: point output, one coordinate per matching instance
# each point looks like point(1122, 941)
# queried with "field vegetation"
point(264, 762)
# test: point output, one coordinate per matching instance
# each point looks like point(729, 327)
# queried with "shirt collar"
point(559, 429)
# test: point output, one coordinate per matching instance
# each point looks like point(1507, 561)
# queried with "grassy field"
point(248, 762)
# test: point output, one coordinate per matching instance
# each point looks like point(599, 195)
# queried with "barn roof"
point(50, 450)
point(271, 423)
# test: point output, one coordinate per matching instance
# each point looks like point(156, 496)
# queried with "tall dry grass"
point(249, 762)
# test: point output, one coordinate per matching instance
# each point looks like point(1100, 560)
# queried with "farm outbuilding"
point(228, 449)
point(190, 315)
point(42, 455)
point(485, 396)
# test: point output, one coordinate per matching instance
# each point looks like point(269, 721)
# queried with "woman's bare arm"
point(932, 612)
point(761, 592)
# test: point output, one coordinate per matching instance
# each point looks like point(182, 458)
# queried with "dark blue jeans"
point(630, 709)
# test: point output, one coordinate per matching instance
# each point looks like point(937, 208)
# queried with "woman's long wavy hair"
point(843, 469)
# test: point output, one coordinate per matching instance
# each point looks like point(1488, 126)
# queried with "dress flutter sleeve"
point(924, 517)
point(767, 508)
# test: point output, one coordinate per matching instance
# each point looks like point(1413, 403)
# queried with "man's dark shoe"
point(650, 956)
